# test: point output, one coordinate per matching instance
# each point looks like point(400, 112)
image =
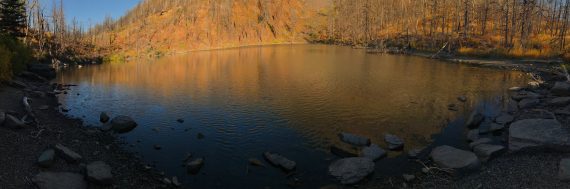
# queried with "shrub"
point(14, 56)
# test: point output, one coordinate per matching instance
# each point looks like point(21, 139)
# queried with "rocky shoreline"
point(42, 148)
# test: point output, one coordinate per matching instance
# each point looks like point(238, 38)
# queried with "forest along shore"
point(44, 148)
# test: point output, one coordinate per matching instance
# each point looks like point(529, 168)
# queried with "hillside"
point(155, 26)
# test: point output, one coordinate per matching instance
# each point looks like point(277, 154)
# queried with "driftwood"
point(440, 50)
point(29, 112)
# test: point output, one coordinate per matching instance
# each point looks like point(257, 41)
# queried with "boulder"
point(280, 161)
point(538, 133)
point(100, 173)
point(524, 95)
point(373, 152)
point(351, 170)
point(123, 124)
point(59, 180)
point(453, 158)
point(528, 103)
point(194, 166)
point(561, 88)
point(354, 139)
point(504, 119)
point(394, 142)
point(13, 122)
point(103, 117)
point(474, 119)
point(559, 101)
point(67, 154)
point(47, 158)
point(486, 152)
point(480, 141)
point(564, 169)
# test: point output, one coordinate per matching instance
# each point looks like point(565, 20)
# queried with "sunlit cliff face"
point(318, 91)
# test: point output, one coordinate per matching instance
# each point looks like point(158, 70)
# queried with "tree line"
point(428, 24)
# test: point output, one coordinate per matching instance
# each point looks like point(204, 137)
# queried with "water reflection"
point(291, 99)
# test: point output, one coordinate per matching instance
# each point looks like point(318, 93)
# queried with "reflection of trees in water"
point(320, 90)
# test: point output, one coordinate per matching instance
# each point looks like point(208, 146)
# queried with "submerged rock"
point(561, 88)
point(473, 135)
point(504, 119)
point(354, 139)
point(67, 154)
point(59, 180)
point(123, 124)
point(341, 152)
point(373, 152)
point(103, 117)
point(450, 157)
point(256, 162)
point(351, 170)
point(100, 173)
point(486, 152)
point(394, 142)
point(47, 158)
point(280, 161)
point(564, 169)
point(194, 166)
point(542, 133)
point(475, 118)
point(462, 98)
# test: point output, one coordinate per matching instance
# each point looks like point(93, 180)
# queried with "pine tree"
point(12, 17)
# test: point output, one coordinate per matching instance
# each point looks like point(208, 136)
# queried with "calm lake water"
point(290, 99)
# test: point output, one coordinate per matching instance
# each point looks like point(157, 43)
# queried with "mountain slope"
point(157, 26)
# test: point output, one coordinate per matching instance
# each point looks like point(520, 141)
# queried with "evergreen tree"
point(12, 17)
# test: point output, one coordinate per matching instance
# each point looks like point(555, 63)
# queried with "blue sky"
point(93, 11)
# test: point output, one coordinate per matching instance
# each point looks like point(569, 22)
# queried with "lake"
point(290, 99)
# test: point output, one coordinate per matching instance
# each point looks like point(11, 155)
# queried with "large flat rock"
point(485, 152)
point(351, 170)
point(99, 172)
point(280, 161)
point(373, 152)
point(538, 133)
point(561, 89)
point(62, 180)
point(450, 157)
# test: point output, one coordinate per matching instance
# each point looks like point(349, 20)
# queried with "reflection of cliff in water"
point(319, 90)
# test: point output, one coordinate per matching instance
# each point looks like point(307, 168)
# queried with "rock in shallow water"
point(67, 154)
point(486, 152)
point(475, 118)
point(450, 157)
point(394, 142)
point(123, 124)
point(63, 180)
point(504, 119)
point(541, 133)
point(351, 170)
point(480, 141)
point(103, 117)
point(194, 166)
point(280, 161)
point(47, 158)
point(354, 139)
point(528, 103)
point(373, 152)
point(99, 172)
